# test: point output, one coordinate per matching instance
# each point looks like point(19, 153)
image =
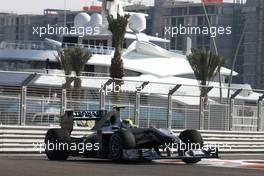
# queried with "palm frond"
point(205, 65)
point(73, 59)
point(64, 60)
point(79, 58)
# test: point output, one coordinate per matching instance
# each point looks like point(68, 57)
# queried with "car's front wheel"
point(116, 147)
point(192, 139)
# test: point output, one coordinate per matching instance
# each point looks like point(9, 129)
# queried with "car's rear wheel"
point(57, 144)
point(116, 147)
point(192, 140)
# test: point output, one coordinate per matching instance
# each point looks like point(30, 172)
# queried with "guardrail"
point(147, 103)
point(26, 45)
point(21, 139)
point(44, 45)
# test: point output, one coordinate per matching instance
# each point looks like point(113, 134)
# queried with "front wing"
point(149, 154)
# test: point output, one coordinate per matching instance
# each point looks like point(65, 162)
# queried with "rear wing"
point(84, 115)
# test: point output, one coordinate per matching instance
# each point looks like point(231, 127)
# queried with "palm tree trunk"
point(201, 114)
point(77, 92)
point(117, 72)
point(68, 83)
point(203, 104)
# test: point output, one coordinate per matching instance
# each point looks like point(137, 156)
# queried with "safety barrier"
point(39, 105)
point(26, 139)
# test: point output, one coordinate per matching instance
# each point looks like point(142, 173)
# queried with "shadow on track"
point(108, 161)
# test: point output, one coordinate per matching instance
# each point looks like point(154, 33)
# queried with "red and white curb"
point(249, 164)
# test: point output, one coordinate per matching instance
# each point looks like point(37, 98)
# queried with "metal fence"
point(34, 104)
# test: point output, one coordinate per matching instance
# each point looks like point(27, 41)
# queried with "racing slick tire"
point(116, 147)
point(54, 140)
point(190, 138)
point(128, 138)
point(120, 140)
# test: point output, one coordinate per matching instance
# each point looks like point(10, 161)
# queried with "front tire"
point(190, 138)
point(56, 144)
point(116, 147)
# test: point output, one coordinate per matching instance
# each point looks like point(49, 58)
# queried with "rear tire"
point(190, 138)
point(55, 138)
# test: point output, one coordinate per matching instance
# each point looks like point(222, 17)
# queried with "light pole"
point(65, 13)
point(216, 51)
point(235, 59)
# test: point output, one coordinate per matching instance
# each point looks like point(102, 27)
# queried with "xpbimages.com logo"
point(176, 147)
point(126, 88)
point(79, 147)
point(213, 31)
point(60, 30)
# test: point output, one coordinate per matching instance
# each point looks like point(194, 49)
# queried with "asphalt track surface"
point(40, 166)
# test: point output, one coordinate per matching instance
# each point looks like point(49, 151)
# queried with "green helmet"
point(129, 122)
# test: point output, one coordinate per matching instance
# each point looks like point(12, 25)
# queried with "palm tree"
point(118, 28)
point(73, 59)
point(79, 58)
point(206, 66)
point(65, 62)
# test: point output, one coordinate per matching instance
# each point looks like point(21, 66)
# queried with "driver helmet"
point(128, 123)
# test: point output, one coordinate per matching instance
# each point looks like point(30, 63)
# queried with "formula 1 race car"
point(116, 139)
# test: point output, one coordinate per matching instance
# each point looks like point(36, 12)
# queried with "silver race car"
point(117, 139)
